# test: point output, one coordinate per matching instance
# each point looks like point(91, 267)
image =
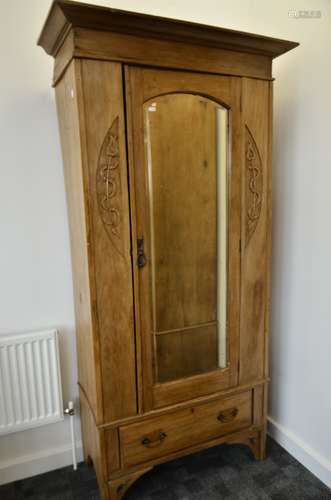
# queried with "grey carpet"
point(223, 472)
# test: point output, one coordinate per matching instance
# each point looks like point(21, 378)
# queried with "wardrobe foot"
point(119, 486)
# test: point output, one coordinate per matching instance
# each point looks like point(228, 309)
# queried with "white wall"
point(35, 270)
point(35, 285)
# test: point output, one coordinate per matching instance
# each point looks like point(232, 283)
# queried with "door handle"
point(141, 257)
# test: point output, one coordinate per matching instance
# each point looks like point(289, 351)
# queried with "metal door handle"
point(141, 258)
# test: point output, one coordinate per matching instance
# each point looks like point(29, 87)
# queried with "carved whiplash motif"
point(254, 184)
point(108, 183)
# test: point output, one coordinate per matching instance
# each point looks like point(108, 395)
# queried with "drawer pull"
point(227, 416)
point(149, 443)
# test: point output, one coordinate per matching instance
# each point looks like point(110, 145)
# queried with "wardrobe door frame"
point(141, 85)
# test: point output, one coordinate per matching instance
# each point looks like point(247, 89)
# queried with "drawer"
point(160, 436)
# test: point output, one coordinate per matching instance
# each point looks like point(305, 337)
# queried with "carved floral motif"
point(254, 185)
point(109, 184)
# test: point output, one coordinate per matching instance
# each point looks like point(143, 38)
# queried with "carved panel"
point(109, 185)
point(254, 184)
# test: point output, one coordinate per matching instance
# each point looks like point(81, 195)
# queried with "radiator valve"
point(70, 410)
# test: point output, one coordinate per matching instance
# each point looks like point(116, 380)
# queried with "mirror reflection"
point(186, 145)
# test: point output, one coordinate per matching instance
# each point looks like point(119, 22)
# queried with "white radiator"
point(30, 381)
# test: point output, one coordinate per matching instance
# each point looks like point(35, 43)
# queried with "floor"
point(223, 472)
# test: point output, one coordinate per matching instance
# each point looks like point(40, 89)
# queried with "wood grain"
point(245, 436)
point(93, 445)
point(180, 131)
point(146, 338)
point(166, 434)
point(144, 85)
point(64, 14)
point(119, 486)
point(186, 352)
point(163, 53)
point(269, 235)
point(76, 184)
point(135, 129)
point(206, 398)
point(111, 442)
point(103, 104)
point(63, 57)
point(254, 257)
point(258, 405)
point(158, 53)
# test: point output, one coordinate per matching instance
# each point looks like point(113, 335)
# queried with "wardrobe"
point(166, 133)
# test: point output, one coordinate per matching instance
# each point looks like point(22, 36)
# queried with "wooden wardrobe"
point(166, 136)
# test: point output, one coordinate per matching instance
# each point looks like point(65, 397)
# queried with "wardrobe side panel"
point(104, 126)
point(67, 108)
point(93, 446)
point(255, 228)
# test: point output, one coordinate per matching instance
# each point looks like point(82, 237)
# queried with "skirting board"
point(319, 465)
point(38, 463)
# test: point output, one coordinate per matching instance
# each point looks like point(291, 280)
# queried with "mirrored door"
point(186, 221)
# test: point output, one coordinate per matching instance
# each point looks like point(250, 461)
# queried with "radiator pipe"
point(71, 412)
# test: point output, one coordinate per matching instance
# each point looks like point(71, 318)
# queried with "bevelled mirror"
point(186, 146)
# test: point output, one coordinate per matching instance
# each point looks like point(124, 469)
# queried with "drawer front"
point(160, 436)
